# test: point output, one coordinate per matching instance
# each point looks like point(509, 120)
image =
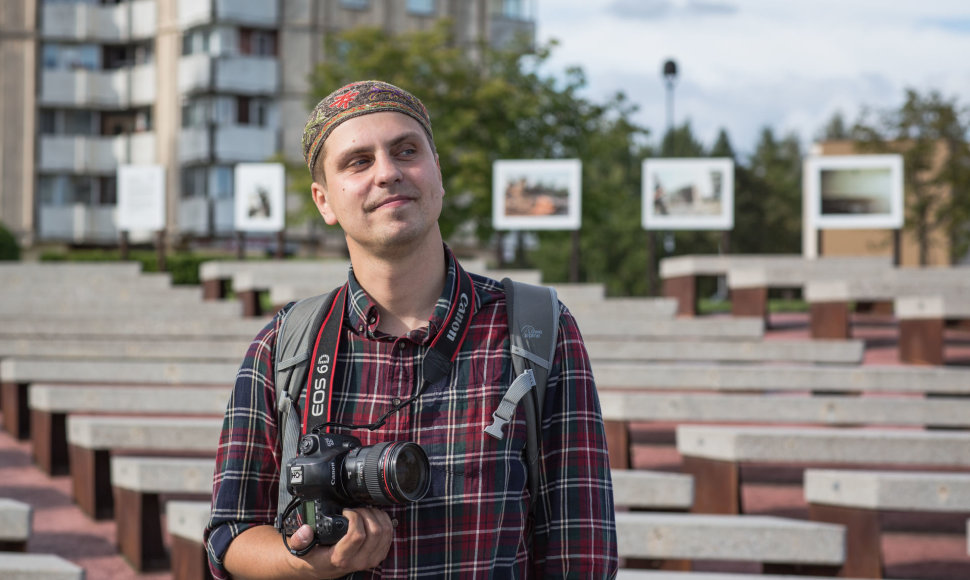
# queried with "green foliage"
point(9, 248)
point(488, 104)
point(919, 129)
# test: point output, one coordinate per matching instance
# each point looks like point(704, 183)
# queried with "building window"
point(422, 7)
point(355, 4)
point(257, 42)
point(195, 41)
point(109, 190)
point(222, 177)
point(71, 56)
point(517, 9)
point(193, 181)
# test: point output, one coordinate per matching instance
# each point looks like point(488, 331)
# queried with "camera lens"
point(387, 473)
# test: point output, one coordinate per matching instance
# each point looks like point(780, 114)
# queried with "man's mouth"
point(393, 200)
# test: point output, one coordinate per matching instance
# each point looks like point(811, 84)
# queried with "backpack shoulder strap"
point(533, 314)
point(294, 347)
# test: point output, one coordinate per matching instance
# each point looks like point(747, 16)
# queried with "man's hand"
point(259, 552)
point(364, 546)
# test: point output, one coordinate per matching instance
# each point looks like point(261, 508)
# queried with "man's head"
point(354, 100)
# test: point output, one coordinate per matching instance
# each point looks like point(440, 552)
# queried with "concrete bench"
point(185, 521)
point(138, 485)
point(779, 544)
point(680, 273)
point(16, 374)
point(92, 439)
point(216, 275)
point(16, 522)
point(838, 352)
point(714, 454)
point(134, 347)
point(749, 285)
point(621, 408)
point(922, 320)
point(84, 326)
point(674, 575)
point(790, 377)
point(51, 404)
point(617, 325)
point(854, 498)
point(639, 488)
point(16, 566)
point(830, 300)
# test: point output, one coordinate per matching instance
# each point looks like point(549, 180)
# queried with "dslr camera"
point(331, 472)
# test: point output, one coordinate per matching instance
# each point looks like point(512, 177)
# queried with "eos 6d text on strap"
point(436, 363)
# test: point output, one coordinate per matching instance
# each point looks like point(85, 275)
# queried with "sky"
point(747, 64)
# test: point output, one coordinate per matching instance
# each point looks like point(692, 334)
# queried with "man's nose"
point(386, 169)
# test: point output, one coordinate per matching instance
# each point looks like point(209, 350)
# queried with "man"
point(370, 150)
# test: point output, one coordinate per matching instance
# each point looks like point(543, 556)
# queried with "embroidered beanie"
point(354, 100)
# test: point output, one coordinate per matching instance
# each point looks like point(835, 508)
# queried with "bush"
point(9, 248)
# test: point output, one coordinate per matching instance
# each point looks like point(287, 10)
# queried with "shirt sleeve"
point(246, 480)
point(575, 533)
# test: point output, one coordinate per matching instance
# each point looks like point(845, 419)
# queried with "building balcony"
point(115, 89)
point(259, 13)
point(244, 75)
point(78, 223)
point(228, 144)
point(505, 30)
point(134, 20)
point(95, 154)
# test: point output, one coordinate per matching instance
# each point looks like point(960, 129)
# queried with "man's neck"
point(404, 287)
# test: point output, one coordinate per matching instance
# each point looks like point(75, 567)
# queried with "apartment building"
point(196, 86)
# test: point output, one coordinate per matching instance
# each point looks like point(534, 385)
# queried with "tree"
point(490, 104)
point(930, 132)
point(768, 198)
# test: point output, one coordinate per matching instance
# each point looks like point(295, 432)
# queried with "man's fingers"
point(301, 538)
point(368, 539)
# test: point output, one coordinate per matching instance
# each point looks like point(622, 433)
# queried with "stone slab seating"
point(922, 320)
point(138, 485)
point(714, 454)
point(674, 575)
point(614, 325)
point(719, 350)
point(17, 566)
point(621, 408)
point(780, 544)
point(749, 284)
point(16, 523)
point(793, 377)
point(50, 404)
point(186, 520)
point(680, 273)
point(85, 327)
point(216, 275)
point(16, 374)
point(854, 498)
point(830, 300)
point(92, 439)
point(113, 348)
point(640, 488)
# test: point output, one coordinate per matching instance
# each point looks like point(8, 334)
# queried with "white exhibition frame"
point(556, 176)
point(710, 179)
point(260, 197)
point(880, 178)
point(141, 198)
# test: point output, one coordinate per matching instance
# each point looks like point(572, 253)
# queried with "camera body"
point(332, 472)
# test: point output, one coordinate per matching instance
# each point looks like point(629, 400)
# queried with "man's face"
point(383, 182)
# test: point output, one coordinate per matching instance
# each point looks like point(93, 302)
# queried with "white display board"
point(141, 198)
point(260, 197)
point(688, 194)
point(854, 191)
point(537, 194)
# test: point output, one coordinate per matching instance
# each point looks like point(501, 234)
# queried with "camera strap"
point(436, 363)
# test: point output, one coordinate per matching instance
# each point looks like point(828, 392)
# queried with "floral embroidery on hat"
point(344, 100)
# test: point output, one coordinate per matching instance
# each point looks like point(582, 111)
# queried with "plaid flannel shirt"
point(474, 521)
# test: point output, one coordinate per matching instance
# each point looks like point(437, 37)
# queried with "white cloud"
point(749, 63)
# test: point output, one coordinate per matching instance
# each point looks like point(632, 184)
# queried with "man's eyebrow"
point(402, 138)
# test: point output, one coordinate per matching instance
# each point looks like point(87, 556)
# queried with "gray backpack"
point(533, 313)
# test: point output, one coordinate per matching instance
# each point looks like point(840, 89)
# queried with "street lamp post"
point(669, 72)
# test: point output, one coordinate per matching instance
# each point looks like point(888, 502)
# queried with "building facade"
point(196, 86)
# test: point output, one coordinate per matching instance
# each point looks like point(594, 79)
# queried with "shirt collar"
point(363, 315)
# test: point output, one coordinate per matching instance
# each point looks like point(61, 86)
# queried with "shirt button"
point(395, 401)
point(371, 319)
point(401, 346)
point(394, 522)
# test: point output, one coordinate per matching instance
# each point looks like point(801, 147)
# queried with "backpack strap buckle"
point(506, 408)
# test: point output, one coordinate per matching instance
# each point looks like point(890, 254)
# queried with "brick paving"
point(937, 553)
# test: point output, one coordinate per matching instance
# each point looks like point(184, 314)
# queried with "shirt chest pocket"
point(452, 422)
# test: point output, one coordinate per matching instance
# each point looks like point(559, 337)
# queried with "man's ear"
point(319, 193)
